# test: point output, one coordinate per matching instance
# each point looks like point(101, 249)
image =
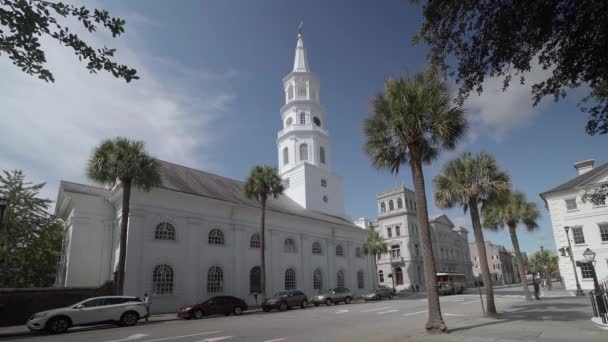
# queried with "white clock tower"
point(303, 143)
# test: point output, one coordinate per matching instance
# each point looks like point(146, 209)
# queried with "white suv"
point(116, 309)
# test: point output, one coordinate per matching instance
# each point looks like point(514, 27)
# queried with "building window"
point(399, 203)
point(254, 241)
point(395, 251)
point(381, 276)
point(416, 246)
point(289, 246)
point(325, 198)
point(164, 231)
point(358, 253)
point(215, 280)
point(391, 205)
point(285, 156)
point(216, 237)
point(290, 279)
point(587, 271)
point(316, 248)
point(339, 250)
point(303, 152)
point(286, 183)
point(317, 121)
point(324, 183)
point(255, 280)
point(162, 280)
point(290, 92)
point(397, 231)
point(302, 118)
point(322, 154)
point(571, 204)
point(382, 207)
point(389, 232)
point(302, 93)
point(360, 280)
point(317, 280)
point(340, 278)
point(288, 122)
point(604, 231)
point(577, 235)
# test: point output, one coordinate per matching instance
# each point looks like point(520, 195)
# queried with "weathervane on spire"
point(300, 29)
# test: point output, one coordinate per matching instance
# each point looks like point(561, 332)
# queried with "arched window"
point(254, 241)
point(358, 253)
point(290, 92)
point(302, 118)
point(289, 246)
point(339, 250)
point(164, 231)
point(288, 122)
point(317, 121)
point(255, 280)
point(316, 248)
point(340, 278)
point(215, 280)
point(162, 280)
point(399, 203)
point(391, 205)
point(322, 154)
point(285, 156)
point(303, 152)
point(290, 279)
point(382, 207)
point(381, 276)
point(317, 280)
point(216, 237)
point(360, 280)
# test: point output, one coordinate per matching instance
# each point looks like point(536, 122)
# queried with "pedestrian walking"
point(417, 288)
point(147, 302)
point(536, 281)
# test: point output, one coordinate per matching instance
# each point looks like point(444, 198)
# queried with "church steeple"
point(300, 62)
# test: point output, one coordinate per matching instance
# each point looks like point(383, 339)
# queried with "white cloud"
point(50, 129)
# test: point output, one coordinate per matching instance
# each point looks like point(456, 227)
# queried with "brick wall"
point(16, 305)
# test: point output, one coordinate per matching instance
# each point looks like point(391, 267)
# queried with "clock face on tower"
point(317, 121)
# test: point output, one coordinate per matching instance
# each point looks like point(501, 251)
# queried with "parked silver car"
point(332, 296)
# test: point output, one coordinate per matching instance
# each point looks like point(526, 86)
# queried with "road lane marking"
point(385, 312)
point(471, 302)
point(341, 311)
point(451, 314)
point(415, 313)
point(378, 309)
point(275, 340)
point(130, 338)
point(183, 336)
point(213, 339)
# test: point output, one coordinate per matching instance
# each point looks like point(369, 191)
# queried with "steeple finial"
point(300, 34)
point(300, 62)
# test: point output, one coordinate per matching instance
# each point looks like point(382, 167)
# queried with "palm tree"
point(412, 121)
point(125, 161)
point(374, 245)
point(469, 181)
point(510, 212)
point(263, 182)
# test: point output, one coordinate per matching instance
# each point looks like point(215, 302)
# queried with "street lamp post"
point(3, 205)
point(590, 257)
point(579, 291)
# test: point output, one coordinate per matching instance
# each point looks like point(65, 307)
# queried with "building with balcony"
point(500, 263)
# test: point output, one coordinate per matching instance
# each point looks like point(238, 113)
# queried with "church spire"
point(300, 62)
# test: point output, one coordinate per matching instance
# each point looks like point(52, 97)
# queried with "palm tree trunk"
point(520, 265)
point(376, 282)
point(124, 226)
point(435, 321)
point(263, 251)
point(481, 251)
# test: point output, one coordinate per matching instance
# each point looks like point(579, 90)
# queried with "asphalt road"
point(359, 321)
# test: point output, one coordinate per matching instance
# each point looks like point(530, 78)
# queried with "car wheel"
point(304, 304)
point(328, 302)
point(198, 314)
point(317, 304)
point(238, 310)
point(347, 300)
point(283, 306)
point(129, 318)
point(266, 309)
point(57, 325)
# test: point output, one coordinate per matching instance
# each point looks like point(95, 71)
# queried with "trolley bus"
point(450, 283)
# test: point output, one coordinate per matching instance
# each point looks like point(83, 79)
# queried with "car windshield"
point(281, 294)
point(326, 291)
point(372, 291)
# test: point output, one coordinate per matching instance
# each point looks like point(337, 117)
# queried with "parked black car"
point(219, 305)
point(285, 300)
point(377, 294)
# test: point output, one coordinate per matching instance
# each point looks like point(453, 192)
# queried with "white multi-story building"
point(588, 224)
point(397, 223)
point(196, 235)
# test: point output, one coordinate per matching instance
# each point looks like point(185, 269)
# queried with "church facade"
point(197, 236)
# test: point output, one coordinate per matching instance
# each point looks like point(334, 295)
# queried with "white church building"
point(197, 236)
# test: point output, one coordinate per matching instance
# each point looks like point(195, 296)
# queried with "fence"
point(599, 301)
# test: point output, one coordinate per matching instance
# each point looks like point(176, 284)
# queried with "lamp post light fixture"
point(3, 206)
point(579, 291)
point(590, 257)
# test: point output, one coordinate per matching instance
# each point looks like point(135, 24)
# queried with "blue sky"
point(211, 90)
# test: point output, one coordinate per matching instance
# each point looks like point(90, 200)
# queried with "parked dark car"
point(220, 305)
point(333, 296)
point(377, 294)
point(285, 300)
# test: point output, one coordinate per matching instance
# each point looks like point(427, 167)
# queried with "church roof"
point(196, 182)
point(578, 180)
